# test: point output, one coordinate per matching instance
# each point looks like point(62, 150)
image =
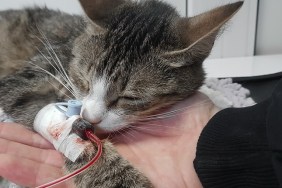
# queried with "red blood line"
point(91, 136)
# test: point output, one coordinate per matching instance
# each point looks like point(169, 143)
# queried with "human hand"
point(163, 148)
point(27, 159)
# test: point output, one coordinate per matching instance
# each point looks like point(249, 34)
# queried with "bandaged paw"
point(56, 127)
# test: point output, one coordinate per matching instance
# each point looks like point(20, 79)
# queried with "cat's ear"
point(99, 11)
point(198, 35)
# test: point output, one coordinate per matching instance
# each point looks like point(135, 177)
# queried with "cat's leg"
point(16, 42)
point(110, 171)
point(20, 98)
point(23, 94)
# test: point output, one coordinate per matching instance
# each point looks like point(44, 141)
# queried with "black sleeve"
point(242, 147)
point(274, 130)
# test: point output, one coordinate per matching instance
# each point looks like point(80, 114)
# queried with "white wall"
point(180, 5)
point(239, 37)
point(269, 28)
point(70, 6)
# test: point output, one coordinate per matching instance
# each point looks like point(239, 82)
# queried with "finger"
point(26, 172)
point(18, 133)
point(47, 156)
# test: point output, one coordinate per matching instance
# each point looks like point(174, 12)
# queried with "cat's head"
point(137, 57)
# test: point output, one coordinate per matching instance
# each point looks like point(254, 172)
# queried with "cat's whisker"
point(181, 109)
point(53, 76)
point(58, 62)
point(59, 90)
point(147, 123)
point(173, 112)
point(129, 137)
point(112, 135)
point(169, 114)
point(143, 124)
point(121, 132)
point(150, 125)
point(157, 132)
point(60, 65)
point(151, 130)
point(52, 58)
point(45, 57)
point(55, 68)
point(147, 128)
point(49, 48)
point(158, 128)
point(68, 88)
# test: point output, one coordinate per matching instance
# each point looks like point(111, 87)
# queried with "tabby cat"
point(125, 60)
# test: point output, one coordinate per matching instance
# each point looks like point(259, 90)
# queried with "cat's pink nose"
point(90, 117)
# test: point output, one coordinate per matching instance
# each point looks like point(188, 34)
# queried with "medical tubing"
point(93, 138)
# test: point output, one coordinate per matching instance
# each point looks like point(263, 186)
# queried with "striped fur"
point(136, 57)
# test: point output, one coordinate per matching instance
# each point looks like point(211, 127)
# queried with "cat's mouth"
point(103, 130)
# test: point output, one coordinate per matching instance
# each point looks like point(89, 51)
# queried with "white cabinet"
point(269, 29)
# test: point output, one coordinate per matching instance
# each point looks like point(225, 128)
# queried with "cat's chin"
point(103, 134)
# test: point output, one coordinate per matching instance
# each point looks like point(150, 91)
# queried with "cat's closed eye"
point(132, 102)
point(123, 99)
point(129, 98)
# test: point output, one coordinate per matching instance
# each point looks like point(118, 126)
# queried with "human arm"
point(164, 152)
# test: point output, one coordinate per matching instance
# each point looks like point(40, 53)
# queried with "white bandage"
point(55, 127)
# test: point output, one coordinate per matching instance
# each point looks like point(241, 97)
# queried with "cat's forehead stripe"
point(133, 33)
point(100, 88)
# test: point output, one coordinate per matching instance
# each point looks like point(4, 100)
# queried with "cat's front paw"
point(111, 170)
